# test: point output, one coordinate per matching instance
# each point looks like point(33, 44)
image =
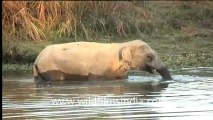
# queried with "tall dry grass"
point(31, 20)
point(18, 20)
point(35, 20)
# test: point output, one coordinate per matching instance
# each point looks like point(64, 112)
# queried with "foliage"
point(29, 20)
point(89, 20)
point(176, 29)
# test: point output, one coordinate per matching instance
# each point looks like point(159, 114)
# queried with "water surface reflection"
point(190, 95)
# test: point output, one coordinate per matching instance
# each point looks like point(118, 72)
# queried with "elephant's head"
point(140, 56)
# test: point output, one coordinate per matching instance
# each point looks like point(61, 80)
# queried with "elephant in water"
point(91, 60)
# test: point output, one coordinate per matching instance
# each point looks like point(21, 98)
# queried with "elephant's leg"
point(122, 77)
point(44, 79)
point(54, 75)
point(93, 77)
point(40, 82)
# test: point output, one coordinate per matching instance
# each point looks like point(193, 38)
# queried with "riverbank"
point(174, 53)
point(181, 32)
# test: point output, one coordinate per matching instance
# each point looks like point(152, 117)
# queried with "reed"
point(31, 19)
point(35, 20)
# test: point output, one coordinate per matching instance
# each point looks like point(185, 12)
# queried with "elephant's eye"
point(149, 58)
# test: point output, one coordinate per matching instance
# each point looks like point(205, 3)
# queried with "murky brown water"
point(190, 95)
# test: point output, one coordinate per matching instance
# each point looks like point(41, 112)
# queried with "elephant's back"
point(78, 45)
point(74, 58)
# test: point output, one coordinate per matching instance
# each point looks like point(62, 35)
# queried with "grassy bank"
point(181, 32)
point(175, 54)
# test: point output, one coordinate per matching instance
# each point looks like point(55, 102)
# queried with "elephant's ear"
point(127, 53)
point(149, 57)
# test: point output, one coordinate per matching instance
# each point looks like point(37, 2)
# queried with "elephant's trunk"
point(162, 70)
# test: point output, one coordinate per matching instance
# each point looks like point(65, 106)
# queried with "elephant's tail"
point(35, 70)
point(37, 74)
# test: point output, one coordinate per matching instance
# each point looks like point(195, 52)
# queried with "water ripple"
point(188, 96)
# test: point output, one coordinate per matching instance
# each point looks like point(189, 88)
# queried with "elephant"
point(92, 60)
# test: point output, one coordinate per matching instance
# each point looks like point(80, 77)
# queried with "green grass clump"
point(24, 52)
point(28, 68)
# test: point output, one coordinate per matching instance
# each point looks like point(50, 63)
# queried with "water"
point(142, 96)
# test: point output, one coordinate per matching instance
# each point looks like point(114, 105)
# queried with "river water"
point(142, 96)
